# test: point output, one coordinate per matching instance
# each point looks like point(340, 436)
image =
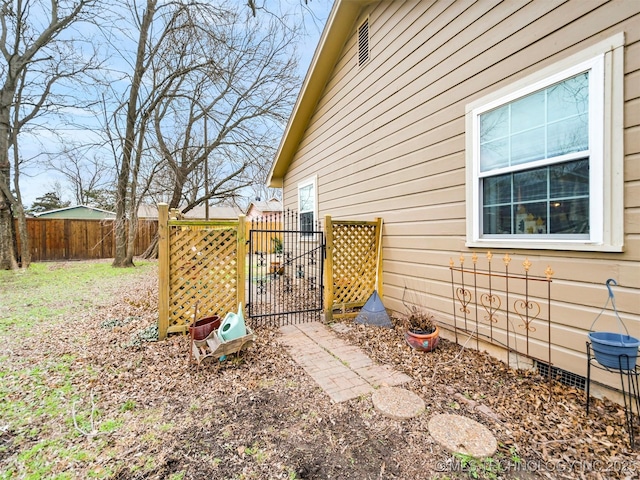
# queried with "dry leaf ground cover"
point(85, 394)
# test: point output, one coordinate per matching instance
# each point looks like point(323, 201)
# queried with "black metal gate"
point(286, 269)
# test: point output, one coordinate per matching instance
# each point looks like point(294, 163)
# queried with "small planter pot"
point(424, 342)
point(615, 350)
point(203, 327)
point(277, 268)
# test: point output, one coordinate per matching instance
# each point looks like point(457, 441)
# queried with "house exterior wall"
point(387, 139)
point(262, 209)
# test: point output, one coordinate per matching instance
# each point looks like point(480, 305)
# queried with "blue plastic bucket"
point(615, 350)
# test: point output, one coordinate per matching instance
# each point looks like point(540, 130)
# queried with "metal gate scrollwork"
point(285, 262)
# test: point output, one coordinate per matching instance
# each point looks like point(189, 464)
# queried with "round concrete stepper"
point(462, 435)
point(397, 403)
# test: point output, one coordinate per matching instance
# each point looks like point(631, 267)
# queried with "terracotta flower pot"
point(425, 342)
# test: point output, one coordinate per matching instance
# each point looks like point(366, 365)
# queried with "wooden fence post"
point(163, 270)
point(379, 255)
point(242, 256)
point(328, 271)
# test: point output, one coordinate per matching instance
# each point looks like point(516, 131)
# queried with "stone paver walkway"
point(342, 370)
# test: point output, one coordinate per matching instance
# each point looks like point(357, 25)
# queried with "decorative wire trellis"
point(486, 303)
point(286, 267)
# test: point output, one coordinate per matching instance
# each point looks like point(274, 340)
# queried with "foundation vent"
point(566, 378)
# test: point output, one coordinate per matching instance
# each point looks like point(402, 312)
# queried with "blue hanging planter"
point(614, 350)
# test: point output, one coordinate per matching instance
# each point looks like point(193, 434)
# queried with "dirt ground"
point(259, 416)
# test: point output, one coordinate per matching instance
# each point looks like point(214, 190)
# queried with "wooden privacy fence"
point(353, 265)
point(199, 262)
point(79, 239)
point(270, 228)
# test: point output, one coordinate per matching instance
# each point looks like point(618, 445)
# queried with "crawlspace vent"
point(566, 378)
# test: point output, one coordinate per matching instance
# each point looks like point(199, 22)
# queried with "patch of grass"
point(165, 427)
point(48, 291)
point(128, 406)
point(100, 472)
point(256, 452)
point(150, 438)
point(149, 464)
point(292, 474)
point(479, 468)
point(41, 391)
point(37, 461)
point(110, 425)
point(454, 405)
point(41, 404)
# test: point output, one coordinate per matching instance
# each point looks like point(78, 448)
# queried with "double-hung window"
point(307, 206)
point(541, 171)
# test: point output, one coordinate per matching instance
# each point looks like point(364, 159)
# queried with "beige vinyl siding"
point(388, 140)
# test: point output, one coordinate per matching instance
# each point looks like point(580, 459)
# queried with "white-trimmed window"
point(542, 164)
point(307, 205)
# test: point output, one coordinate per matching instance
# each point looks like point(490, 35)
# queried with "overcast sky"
point(35, 183)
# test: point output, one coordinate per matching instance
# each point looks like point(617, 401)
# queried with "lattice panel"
point(354, 262)
point(202, 268)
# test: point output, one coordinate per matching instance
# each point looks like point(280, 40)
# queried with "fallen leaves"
point(546, 424)
point(260, 416)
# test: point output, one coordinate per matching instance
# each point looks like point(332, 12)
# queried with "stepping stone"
point(397, 403)
point(462, 435)
point(341, 327)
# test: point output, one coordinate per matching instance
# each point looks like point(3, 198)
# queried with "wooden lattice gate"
point(285, 270)
point(199, 263)
point(354, 265)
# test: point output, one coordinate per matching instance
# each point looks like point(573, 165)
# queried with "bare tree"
point(218, 86)
point(88, 174)
point(38, 63)
point(227, 112)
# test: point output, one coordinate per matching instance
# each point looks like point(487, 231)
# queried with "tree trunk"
point(133, 229)
point(25, 244)
point(124, 258)
point(18, 206)
point(120, 259)
point(7, 251)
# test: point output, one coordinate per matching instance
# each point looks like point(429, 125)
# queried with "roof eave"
point(334, 35)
